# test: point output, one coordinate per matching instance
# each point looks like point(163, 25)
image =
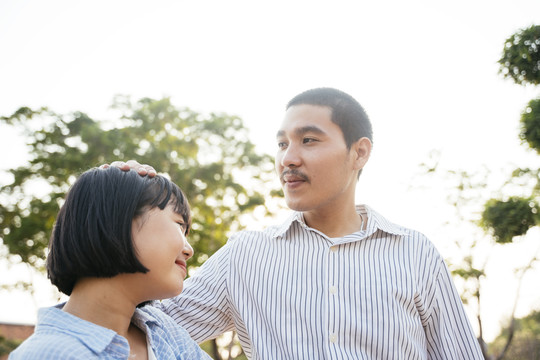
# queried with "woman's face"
point(158, 237)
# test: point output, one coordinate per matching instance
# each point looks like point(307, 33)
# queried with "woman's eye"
point(282, 145)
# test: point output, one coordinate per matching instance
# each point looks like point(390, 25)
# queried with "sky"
point(425, 71)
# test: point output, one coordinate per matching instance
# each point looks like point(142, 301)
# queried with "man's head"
point(347, 113)
point(323, 144)
point(93, 235)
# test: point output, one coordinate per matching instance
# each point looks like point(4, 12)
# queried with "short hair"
point(347, 113)
point(92, 236)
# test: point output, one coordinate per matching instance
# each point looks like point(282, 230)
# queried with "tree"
point(497, 221)
point(208, 156)
point(530, 125)
point(521, 56)
point(7, 345)
point(509, 215)
point(510, 218)
point(506, 219)
point(526, 343)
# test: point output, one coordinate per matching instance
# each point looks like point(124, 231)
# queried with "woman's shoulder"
point(60, 335)
point(51, 345)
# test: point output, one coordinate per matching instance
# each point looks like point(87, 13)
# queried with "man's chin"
point(295, 205)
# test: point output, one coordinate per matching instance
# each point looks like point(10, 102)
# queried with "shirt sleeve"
point(448, 331)
point(203, 308)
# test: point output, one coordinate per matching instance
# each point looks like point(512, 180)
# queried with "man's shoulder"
point(398, 231)
point(382, 223)
point(243, 237)
point(412, 233)
point(265, 233)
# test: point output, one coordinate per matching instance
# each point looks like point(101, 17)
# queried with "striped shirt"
point(60, 335)
point(291, 292)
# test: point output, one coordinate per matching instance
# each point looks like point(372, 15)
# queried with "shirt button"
point(333, 338)
point(333, 289)
point(333, 248)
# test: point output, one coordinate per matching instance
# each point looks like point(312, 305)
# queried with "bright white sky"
point(425, 71)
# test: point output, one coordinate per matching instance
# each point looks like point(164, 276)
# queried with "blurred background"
point(198, 90)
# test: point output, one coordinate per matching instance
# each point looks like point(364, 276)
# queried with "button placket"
point(332, 293)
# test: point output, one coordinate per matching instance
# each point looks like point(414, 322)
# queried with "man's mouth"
point(293, 176)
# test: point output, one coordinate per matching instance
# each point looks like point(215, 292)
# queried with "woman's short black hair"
point(92, 235)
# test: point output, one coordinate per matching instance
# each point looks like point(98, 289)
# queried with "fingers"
point(121, 165)
point(142, 169)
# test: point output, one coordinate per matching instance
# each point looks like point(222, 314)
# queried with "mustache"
point(293, 172)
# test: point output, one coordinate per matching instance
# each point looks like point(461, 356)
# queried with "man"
point(335, 280)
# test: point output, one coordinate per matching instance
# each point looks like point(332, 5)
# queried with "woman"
point(119, 241)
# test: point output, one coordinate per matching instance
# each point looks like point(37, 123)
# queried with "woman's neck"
point(102, 302)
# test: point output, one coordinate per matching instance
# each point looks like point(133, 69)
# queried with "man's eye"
point(309, 140)
point(282, 145)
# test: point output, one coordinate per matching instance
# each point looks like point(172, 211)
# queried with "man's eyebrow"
point(303, 130)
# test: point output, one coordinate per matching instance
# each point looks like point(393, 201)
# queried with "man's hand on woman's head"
point(142, 169)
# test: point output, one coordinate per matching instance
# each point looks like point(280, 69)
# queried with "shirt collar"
point(375, 222)
point(142, 318)
point(95, 337)
point(378, 222)
point(296, 216)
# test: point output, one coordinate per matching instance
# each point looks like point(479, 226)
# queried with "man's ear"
point(361, 151)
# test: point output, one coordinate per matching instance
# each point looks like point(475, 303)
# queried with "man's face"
point(316, 169)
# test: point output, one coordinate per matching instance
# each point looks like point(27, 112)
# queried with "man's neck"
point(336, 223)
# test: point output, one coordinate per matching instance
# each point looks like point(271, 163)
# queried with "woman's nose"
point(188, 250)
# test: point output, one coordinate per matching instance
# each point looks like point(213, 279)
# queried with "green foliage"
point(507, 219)
point(208, 156)
point(526, 339)
point(7, 345)
point(468, 272)
point(521, 56)
point(530, 125)
point(471, 276)
point(521, 62)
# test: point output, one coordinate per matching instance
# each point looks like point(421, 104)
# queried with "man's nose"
point(291, 157)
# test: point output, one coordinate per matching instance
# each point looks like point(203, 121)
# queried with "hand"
point(142, 169)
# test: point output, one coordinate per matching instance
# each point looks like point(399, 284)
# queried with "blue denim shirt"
point(60, 335)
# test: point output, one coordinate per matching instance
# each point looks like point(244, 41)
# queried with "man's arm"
point(203, 308)
point(449, 332)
